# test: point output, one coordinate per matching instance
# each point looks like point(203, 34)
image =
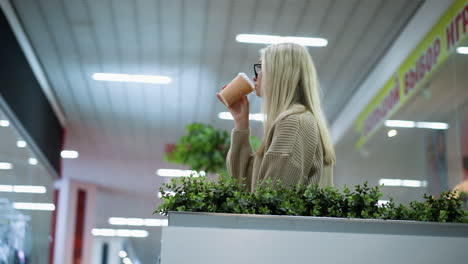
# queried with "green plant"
point(226, 195)
point(204, 148)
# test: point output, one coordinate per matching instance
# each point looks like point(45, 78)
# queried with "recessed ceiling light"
point(432, 125)
point(6, 166)
point(273, 39)
point(34, 206)
point(69, 154)
point(179, 173)
point(32, 161)
point(21, 144)
point(116, 77)
point(4, 123)
point(122, 253)
point(127, 261)
point(392, 133)
point(462, 50)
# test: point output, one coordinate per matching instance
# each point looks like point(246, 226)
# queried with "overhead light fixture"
point(21, 144)
point(69, 154)
point(462, 50)
point(255, 117)
point(273, 39)
point(116, 77)
point(413, 124)
point(32, 161)
point(122, 253)
point(137, 221)
point(432, 125)
point(399, 123)
point(119, 232)
point(167, 192)
point(4, 123)
point(179, 173)
point(382, 202)
point(29, 189)
point(127, 261)
point(6, 166)
point(392, 133)
point(34, 206)
point(402, 183)
point(6, 188)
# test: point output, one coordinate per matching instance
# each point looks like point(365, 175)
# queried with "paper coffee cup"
point(239, 86)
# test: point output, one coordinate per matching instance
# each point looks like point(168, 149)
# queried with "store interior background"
point(120, 130)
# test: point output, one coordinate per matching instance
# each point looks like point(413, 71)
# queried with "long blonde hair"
point(289, 78)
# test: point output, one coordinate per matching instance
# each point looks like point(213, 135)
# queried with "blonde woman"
point(296, 147)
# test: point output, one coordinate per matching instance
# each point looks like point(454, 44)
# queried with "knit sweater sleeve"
point(239, 161)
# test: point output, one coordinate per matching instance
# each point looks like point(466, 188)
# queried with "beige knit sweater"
point(294, 153)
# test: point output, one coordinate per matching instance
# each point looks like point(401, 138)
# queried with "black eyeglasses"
point(257, 69)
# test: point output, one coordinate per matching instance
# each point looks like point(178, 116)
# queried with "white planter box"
point(229, 238)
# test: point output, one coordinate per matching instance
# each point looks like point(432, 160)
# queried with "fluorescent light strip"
point(116, 77)
point(137, 221)
point(179, 173)
point(6, 166)
point(69, 154)
point(119, 232)
point(399, 123)
point(462, 50)
point(4, 123)
point(412, 124)
point(29, 189)
point(402, 183)
point(432, 125)
point(34, 206)
point(273, 39)
point(21, 144)
point(255, 117)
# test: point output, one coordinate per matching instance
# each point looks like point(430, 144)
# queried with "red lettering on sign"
point(450, 37)
point(465, 19)
point(457, 26)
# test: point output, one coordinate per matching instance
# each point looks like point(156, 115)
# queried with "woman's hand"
point(239, 111)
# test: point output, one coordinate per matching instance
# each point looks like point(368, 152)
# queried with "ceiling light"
point(273, 39)
point(6, 188)
point(170, 193)
point(6, 166)
point(399, 123)
point(118, 221)
point(115, 77)
point(127, 261)
point(122, 254)
point(382, 202)
point(119, 232)
point(4, 123)
point(432, 125)
point(32, 161)
point(179, 173)
point(402, 183)
point(21, 144)
point(34, 206)
point(392, 133)
point(29, 189)
point(254, 117)
point(69, 154)
point(137, 221)
point(462, 50)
